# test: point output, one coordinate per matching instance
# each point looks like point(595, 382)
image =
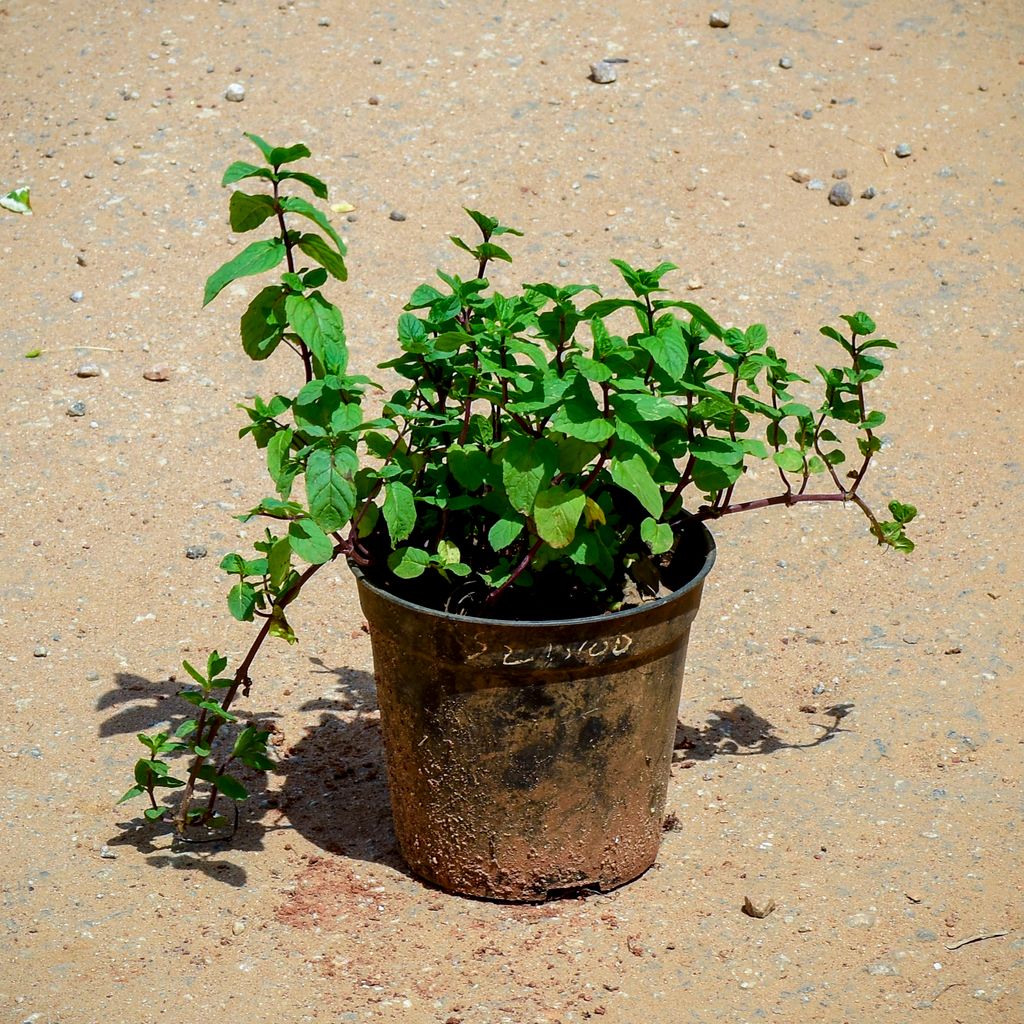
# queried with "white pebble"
point(603, 73)
point(235, 92)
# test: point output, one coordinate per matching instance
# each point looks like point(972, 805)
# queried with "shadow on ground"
point(742, 732)
point(333, 788)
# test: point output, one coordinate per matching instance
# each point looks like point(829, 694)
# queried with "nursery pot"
point(529, 757)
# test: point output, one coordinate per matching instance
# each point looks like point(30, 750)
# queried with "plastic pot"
point(529, 757)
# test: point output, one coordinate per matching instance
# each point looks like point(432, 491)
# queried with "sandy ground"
point(883, 836)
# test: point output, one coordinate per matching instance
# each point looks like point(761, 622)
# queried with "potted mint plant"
point(525, 516)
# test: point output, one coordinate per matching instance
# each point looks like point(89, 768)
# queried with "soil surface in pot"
point(849, 744)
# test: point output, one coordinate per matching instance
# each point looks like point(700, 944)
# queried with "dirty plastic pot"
point(529, 757)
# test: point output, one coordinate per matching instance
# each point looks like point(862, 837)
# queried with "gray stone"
point(87, 370)
point(816, 185)
point(107, 853)
point(40, 652)
point(801, 176)
point(839, 173)
point(818, 689)
point(324, 22)
point(396, 215)
point(76, 409)
point(882, 970)
point(840, 194)
point(194, 551)
point(869, 192)
point(926, 935)
point(76, 296)
point(865, 919)
point(235, 92)
point(603, 72)
point(807, 115)
point(903, 150)
point(720, 19)
point(785, 62)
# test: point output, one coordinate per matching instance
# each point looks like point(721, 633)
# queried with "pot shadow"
point(742, 732)
point(334, 790)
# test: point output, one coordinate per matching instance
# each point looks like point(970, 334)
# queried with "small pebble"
point(563, 263)
point(80, 259)
point(874, 46)
point(352, 218)
point(396, 215)
point(800, 176)
point(195, 551)
point(76, 296)
point(785, 62)
point(107, 853)
point(603, 73)
point(881, 970)
point(374, 101)
point(324, 22)
point(40, 652)
point(902, 150)
point(839, 173)
point(92, 675)
point(869, 192)
point(235, 92)
point(119, 160)
point(111, 116)
point(807, 115)
point(720, 19)
point(818, 689)
point(694, 284)
point(238, 927)
point(816, 185)
point(87, 370)
point(863, 920)
point(157, 373)
point(840, 194)
point(76, 409)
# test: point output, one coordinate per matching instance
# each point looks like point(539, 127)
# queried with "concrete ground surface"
point(884, 822)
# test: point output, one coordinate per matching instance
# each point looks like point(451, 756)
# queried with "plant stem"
point(241, 681)
point(494, 595)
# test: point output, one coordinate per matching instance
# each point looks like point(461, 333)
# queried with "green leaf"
point(658, 536)
point(556, 514)
point(279, 461)
point(155, 813)
point(469, 466)
point(317, 249)
point(399, 511)
point(279, 626)
point(503, 532)
point(526, 466)
point(293, 204)
point(131, 794)
point(330, 489)
point(33, 353)
point(579, 417)
point(241, 170)
point(903, 514)
point(873, 421)
point(319, 324)
point(719, 451)
point(408, 563)
point(254, 259)
point(755, 336)
point(248, 212)
point(789, 459)
point(860, 323)
point(667, 349)
point(231, 787)
point(631, 474)
point(263, 323)
point(195, 674)
point(309, 542)
point(315, 185)
point(710, 477)
point(242, 601)
point(17, 201)
point(279, 562)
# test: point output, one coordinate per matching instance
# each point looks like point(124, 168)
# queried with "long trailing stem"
point(240, 681)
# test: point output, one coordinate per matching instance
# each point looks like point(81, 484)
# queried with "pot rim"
point(693, 583)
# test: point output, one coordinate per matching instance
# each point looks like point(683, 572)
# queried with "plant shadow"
point(740, 731)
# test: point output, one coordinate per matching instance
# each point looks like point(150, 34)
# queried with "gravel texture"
point(884, 826)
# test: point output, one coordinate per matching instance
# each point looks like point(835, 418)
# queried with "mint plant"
point(534, 461)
